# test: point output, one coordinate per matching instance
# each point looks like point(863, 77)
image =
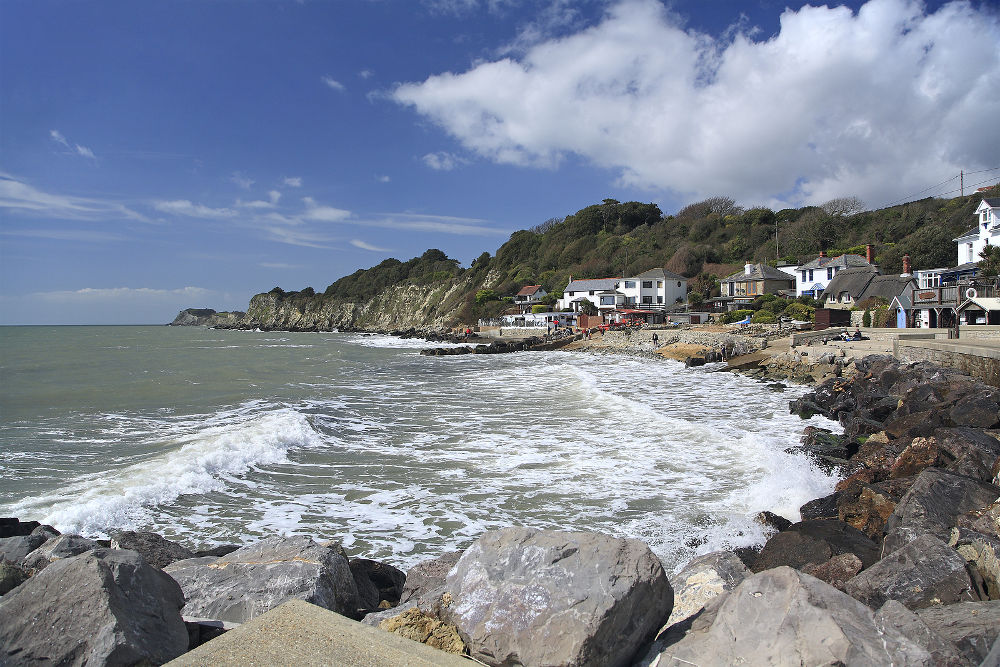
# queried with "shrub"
point(539, 309)
point(800, 312)
point(484, 295)
point(866, 320)
point(764, 317)
point(735, 316)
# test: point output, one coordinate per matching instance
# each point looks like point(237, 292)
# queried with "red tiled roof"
point(528, 290)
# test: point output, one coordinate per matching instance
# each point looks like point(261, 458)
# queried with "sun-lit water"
point(223, 436)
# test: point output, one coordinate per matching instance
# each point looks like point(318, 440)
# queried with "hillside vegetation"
point(704, 241)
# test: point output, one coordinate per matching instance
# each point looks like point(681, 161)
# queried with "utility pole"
point(777, 254)
point(961, 182)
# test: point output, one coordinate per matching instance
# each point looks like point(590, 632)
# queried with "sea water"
point(212, 437)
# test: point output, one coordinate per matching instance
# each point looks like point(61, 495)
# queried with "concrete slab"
point(300, 633)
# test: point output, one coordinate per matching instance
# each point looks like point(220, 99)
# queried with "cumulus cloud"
point(187, 208)
point(357, 243)
point(242, 180)
point(293, 182)
point(443, 161)
point(333, 84)
point(836, 103)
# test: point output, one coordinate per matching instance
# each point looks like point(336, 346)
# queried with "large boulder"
point(103, 607)
point(933, 505)
point(968, 451)
point(785, 617)
point(55, 548)
point(923, 573)
point(815, 542)
point(249, 581)
point(971, 626)
point(16, 548)
point(943, 652)
point(378, 583)
point(428, 575)
point(524, 596)
point(702, 579)
point(867, 507)
point(156, 549)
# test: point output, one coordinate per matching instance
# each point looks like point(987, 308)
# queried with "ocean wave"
point(196, 463)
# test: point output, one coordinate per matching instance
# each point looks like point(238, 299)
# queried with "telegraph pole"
point(961, 182)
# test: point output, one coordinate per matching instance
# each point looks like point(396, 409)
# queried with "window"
point(968, 252)
point(629, 284)
point(572, 293)
point(659, 283)
point(591, 292)
point(829, 274)
point(810, 275)
point(647, 299)
point(647, 284)
point(659, 299)
point(678, 283)
point(607, 300)
point(803, 276)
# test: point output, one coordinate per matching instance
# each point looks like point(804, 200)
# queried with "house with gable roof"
point(812, 278)
point(651, 291)
point(742, 287)
point(528, 296)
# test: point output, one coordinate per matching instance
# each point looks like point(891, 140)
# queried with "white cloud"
point(443, 161)
point(120, 293)
point(383, 179)
point(357, 243)
point(279, 265)
point(835, 104)
point(366, 74)
point(295, 182)
point(74, 235)
point(16, 195)
point(187, 208)
point(333, 83)
point(60, 139)
point(273, 197)
point(320, 213)
point(432, 223)
point(242, 180)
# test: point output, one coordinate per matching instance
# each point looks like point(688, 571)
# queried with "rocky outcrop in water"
point(206, 317)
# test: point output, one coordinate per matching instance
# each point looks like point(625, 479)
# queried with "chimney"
point(907, 266)
point(869, 253)
point(748, 269)
point(822, 253)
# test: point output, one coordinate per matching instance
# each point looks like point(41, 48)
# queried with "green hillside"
point(703, 241)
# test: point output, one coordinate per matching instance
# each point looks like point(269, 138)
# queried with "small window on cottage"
point(591, 292)
point(678, 283)
point(647, 284)
point(659, 283)
point(659, 299)
point(810, 275)
point(829, 274)
point(629, 284)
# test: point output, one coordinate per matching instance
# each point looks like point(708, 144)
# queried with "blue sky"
point(157, 156)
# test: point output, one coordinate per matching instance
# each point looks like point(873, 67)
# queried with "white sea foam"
point(195, 463)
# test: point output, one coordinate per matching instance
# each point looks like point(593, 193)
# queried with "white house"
point(812, 278)
point(986, 232)
point(530, 295)
point(654, 289)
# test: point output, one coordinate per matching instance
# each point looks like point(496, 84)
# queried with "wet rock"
point(259, 577)
point(815, 542)
point(785, 617)
point(428, 575)
point(524, 596)
point(932, 505)
point(156, 549)
point(894, 614)
point(925, 572)
point(973, 627)
point(16, 548)
point(376, 582)
point(103, 607)
point(215, 552)
point(55, 548)
point(13, 527)
point(772, 520)
point(820, 508)
point(867, 507)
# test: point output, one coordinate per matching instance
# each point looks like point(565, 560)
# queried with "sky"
point(189, 154)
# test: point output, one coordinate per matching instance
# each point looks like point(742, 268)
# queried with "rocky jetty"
point(898, 566)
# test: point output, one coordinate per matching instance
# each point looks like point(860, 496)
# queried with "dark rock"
point(820, 508)
point(16, 548)
point(12, 527)
point(221, 550)
point(933, 504)
point(923, 573)
point(259, 577)
point(916, 424)
point(894, 614)
point(968, 451)
point(427, 576)
point(815, 542)
point(878, 451)
point(63, 546)
point(982, 552)
point(821, 442)
point(103, 607)
point(523, 596)
point(376, 582)
point(835, 571)
point(11, 576)
point(785, 617)
point(867, 507)
point(156, 549)
point(978, 410)
point(971, 626)
point(858, 427)
point(46, 530)
point(772, 520)
point(748, 555)
point(920, 454)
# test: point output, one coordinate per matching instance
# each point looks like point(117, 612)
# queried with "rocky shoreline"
point(900, 564)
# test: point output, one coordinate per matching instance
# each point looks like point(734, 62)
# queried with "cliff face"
point(206, 317)
point(399, 307)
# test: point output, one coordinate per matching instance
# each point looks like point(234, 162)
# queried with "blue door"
point(900, 318)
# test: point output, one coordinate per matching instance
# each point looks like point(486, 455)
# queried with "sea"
point(224, 437)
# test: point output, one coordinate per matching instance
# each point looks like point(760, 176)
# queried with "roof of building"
point(972, 232)
point(844, 261)
point(992, 202)
point(659, 273)
point(886, 287)
point(594, 284)
point(758, 272)
point(853, 281)
point(981, 304)
point(528, 290)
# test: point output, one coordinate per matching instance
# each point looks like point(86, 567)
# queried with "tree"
point(989, 265)
point(843, 206)
point(587, 307)
point(696, 298)
point(484, 295)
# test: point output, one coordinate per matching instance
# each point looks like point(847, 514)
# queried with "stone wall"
point(982, 363)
